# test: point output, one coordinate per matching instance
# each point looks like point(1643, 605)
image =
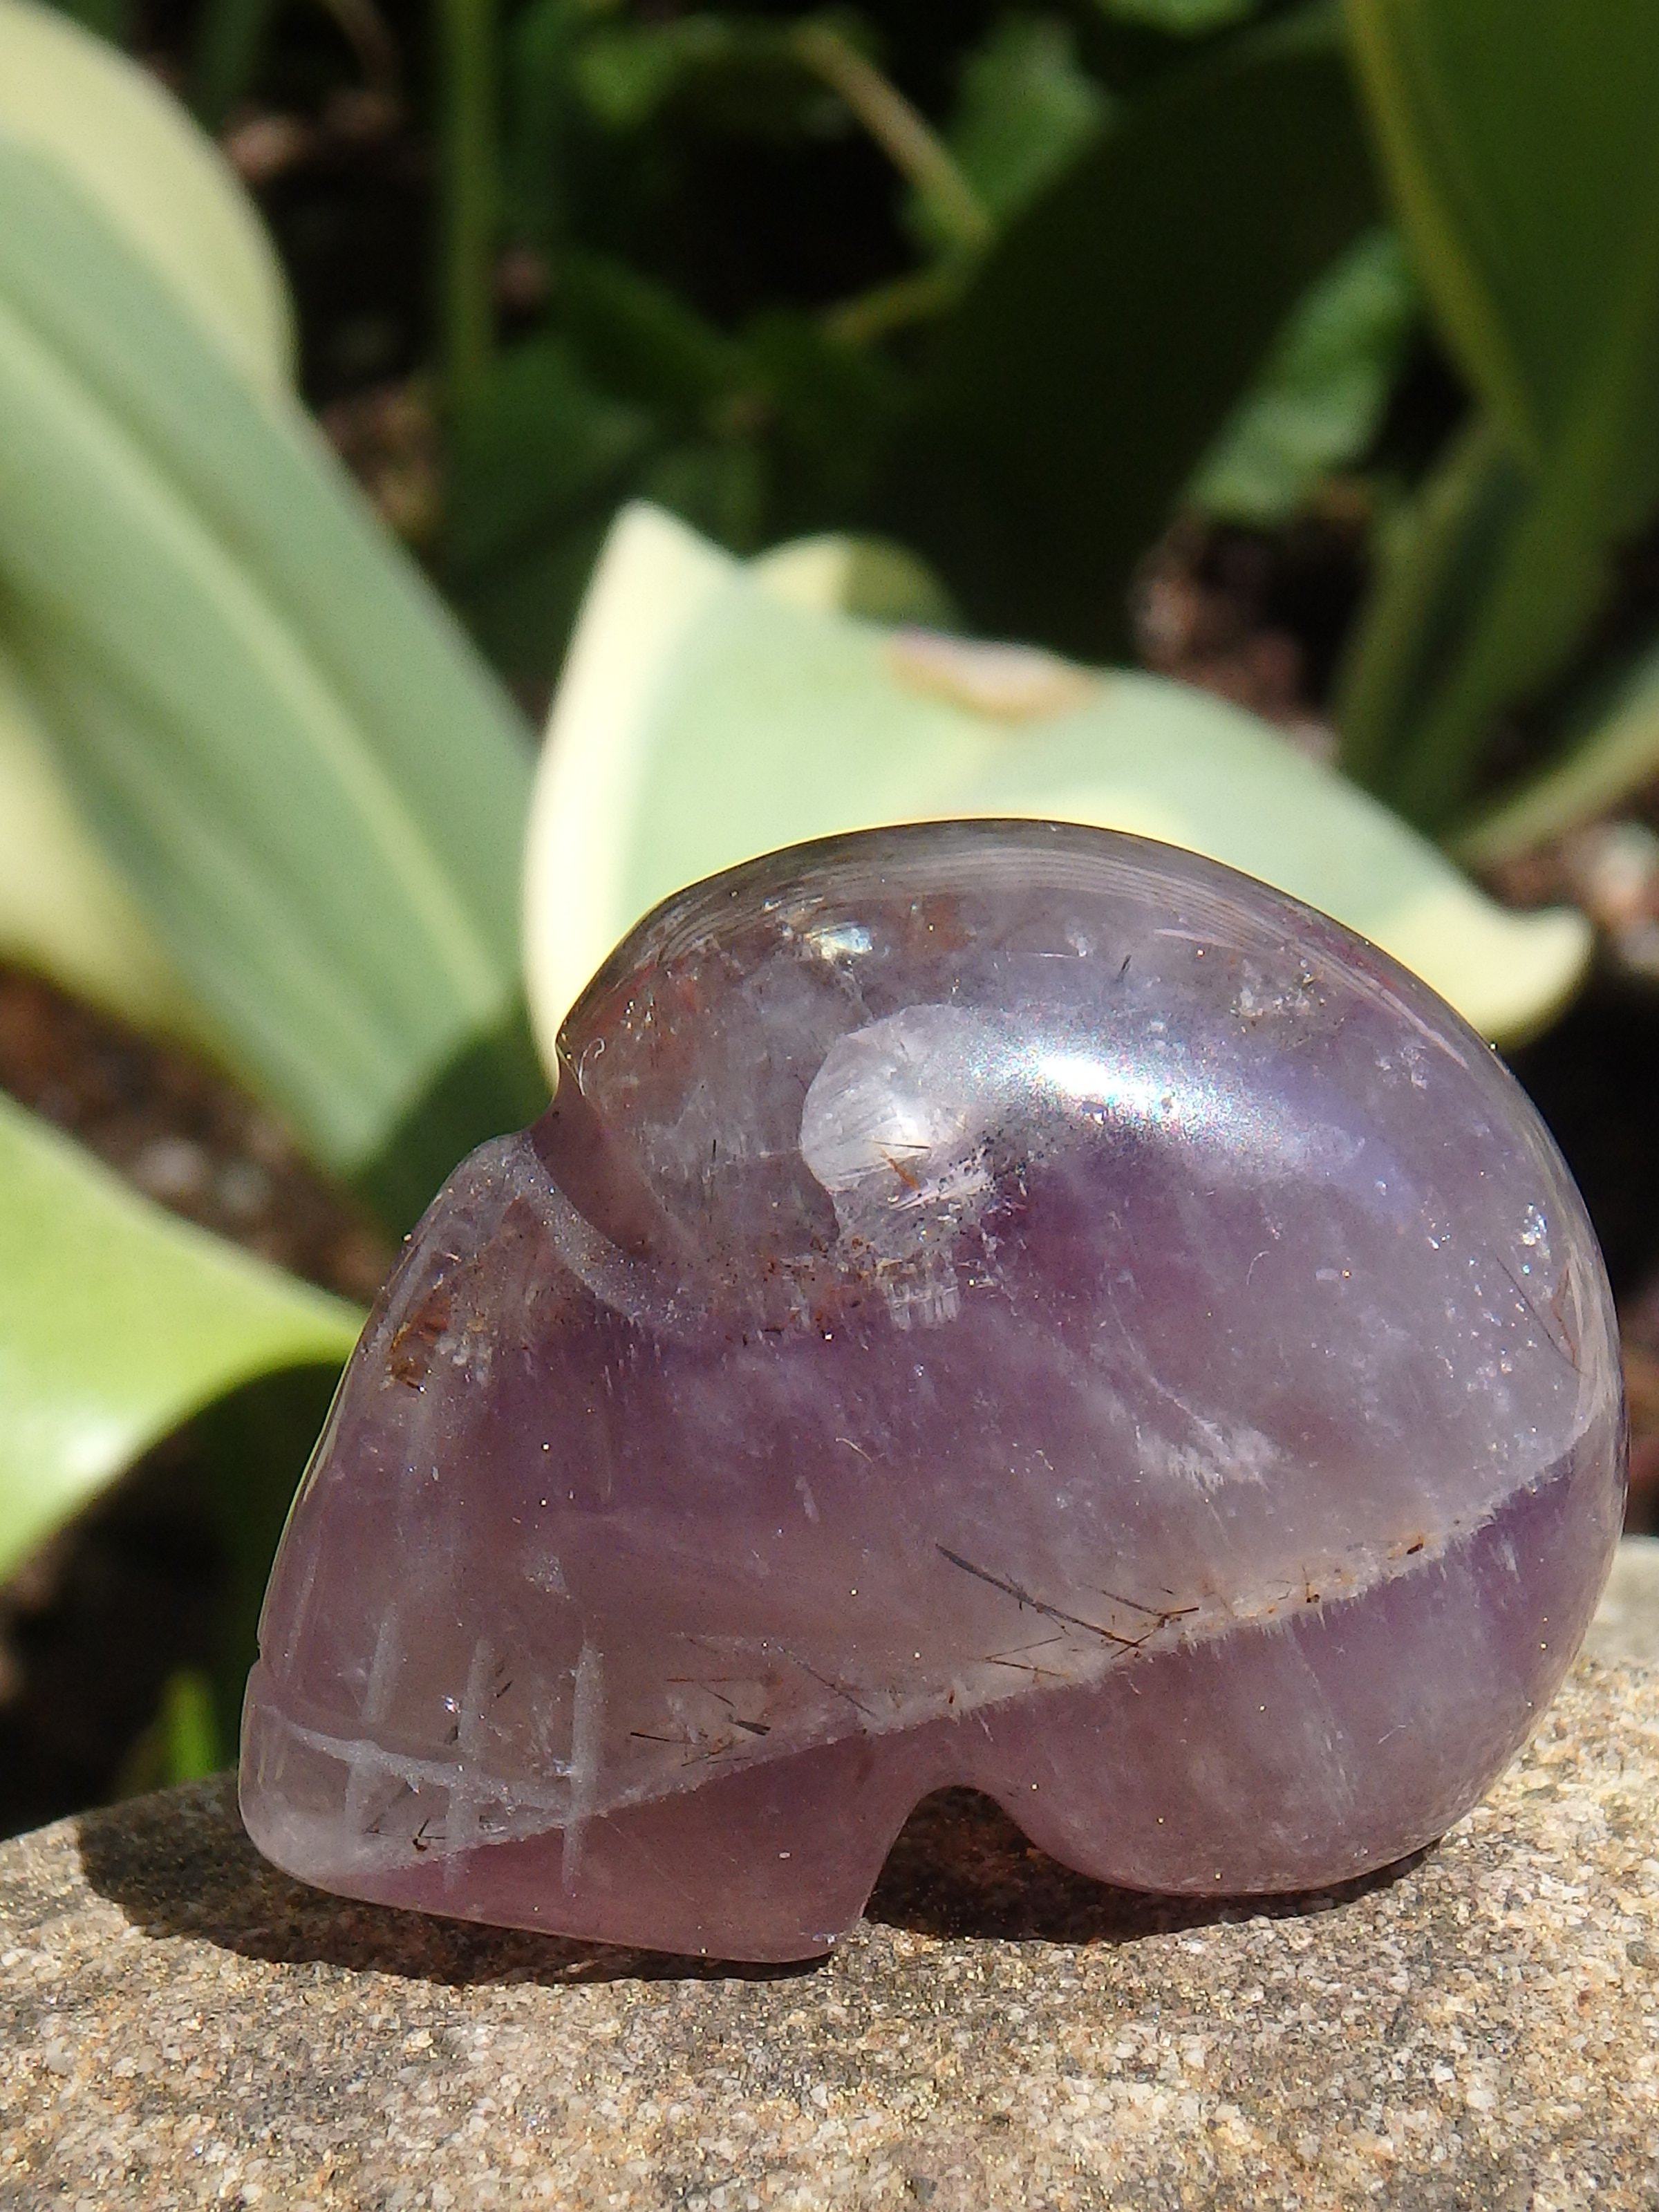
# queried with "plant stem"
point(909, 141)
point(468, 193)
point(918, 297)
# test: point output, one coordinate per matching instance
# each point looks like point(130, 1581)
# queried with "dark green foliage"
point(1115, 325)
point(956, 275)
point(1013, 282)
point(111, 18)
point(994, 276)
point(1024, 109)
point(1521, 158)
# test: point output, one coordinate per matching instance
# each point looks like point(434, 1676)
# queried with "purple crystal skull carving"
point(992, 1303)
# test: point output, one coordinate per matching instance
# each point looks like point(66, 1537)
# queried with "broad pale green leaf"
point(703, 719)
point(63, 910)
point(131, 147)
point(867, 576)
point(310, 782)
point(117, 1322)
point(111, 128)
point(1115, 325)
point(1318, 402)
point(1519, 145)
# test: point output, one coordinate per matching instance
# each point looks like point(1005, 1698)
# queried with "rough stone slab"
point(184, 2026)
point(180, 2025)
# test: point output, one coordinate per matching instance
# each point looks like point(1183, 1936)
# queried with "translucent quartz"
point(992, 1304)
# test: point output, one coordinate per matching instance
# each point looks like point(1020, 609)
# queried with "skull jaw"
point(1186, 1773)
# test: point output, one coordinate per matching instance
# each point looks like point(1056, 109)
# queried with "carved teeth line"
point(1099, 1657)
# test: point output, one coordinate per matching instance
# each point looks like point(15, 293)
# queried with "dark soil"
point(184, 1134)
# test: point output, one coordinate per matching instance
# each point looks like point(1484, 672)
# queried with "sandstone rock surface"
point(180, 2025)
point(1626, 1623)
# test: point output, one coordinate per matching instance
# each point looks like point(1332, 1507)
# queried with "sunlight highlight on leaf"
point(702, 720)
point(107, 125)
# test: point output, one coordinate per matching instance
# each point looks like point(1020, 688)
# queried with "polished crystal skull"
point(995, 1303)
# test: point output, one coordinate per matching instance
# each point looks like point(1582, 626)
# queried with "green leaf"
point(111, 18)
point(1608, 748)
point(639, 341)
point(716, 484)
point(628, 73)
point(181, 1744)
point(1520, 153)
point(1433, 559)
point(110, 128)
point(1025, 108)
point(635, 395)
point(310, 783)
point(824, 411)
point(1183, 19)
point(1318, 405)
point(230, 45)
point(704, 718)
point(107, 125)
point(63, 910)
point(1521, 159)
point(541, 40)
point(1115, 325)
point(117, 1322)
point(538, 466)
point(542, 443)
point(867, 576)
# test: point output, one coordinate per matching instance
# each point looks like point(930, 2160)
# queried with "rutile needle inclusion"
point(993, 1304)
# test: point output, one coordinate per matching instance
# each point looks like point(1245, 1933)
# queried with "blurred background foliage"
point(1017, 322)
